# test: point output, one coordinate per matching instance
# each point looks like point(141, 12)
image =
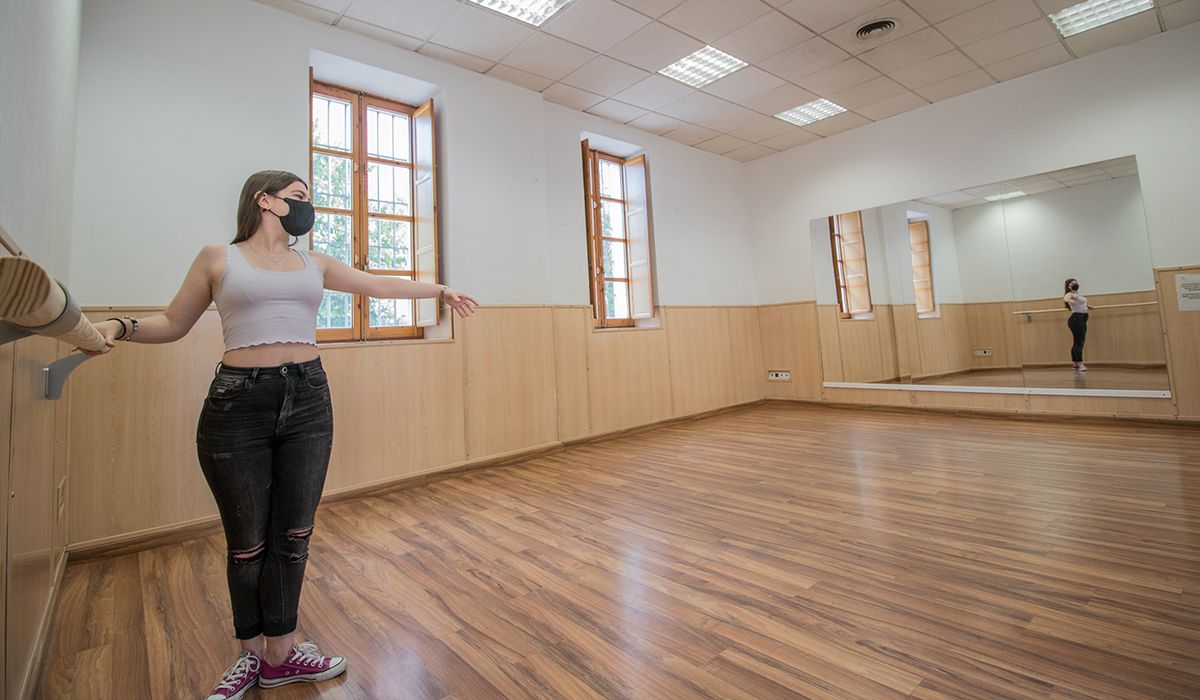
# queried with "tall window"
point(619, 229)
point(850, 264)
point(373, 190)
point(922, 266)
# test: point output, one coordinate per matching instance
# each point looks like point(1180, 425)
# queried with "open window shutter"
point(638, 229)
point(589, 219)
point(425, 259)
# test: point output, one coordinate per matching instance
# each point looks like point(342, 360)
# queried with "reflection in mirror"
point(1084, 225)
point(968, 288)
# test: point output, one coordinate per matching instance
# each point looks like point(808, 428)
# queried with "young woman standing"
point(266, 428)
point(1077, 304)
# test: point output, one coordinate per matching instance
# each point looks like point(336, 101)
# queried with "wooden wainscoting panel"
point(29, 555)
point(133, 415)
point(944, 342)
point(908, 348)
point(869, 397)
point(571, 327)
point(629, 379)
point(745, 338)
point(1102, 406)
point(831, 343)
point(7, 357)
point(973, 402)
point(397, 409)
point(791, 341)
point(700, 357)
point(510, 372)
point(991, 326)
point(1183, 341)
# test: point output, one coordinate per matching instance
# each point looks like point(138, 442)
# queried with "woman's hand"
point(110, 330)
point(460, 302)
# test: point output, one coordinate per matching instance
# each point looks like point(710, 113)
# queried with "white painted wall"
point(983, 254)
point(1139, 99)
point(39, 76)
point(1096, 233)
point(171, 123)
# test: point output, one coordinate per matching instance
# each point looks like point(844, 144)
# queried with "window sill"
point(338, 344)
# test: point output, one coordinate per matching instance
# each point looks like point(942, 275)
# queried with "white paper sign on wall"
point(1187, 291)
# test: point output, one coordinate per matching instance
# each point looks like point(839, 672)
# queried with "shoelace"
point(306, 653)
point(246, 663)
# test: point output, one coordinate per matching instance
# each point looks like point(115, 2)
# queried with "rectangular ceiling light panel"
point(811, 112)
point(1006, 195)
point(702, 67)
point(529, 11)
point(1094, 13)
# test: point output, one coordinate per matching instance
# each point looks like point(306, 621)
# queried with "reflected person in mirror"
point(1077, 304)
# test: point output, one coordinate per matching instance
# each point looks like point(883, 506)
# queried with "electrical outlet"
point(983, 352)
point(779, 375)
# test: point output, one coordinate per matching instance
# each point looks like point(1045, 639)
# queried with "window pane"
point(389, 244)
point(614, 259)
point(335, 310)
point(333, 180)
point(331, 123)
point(612, 219)
point(610, 180)
point(390, 313)
point(616, 299)
point(332, 235)
point(387, 134)
point(389, 189)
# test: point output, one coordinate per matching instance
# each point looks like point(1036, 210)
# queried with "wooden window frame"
point(592, 213)
point(839, 269)
point(360, 329)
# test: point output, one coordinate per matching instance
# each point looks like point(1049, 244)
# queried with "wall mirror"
point(967, 290)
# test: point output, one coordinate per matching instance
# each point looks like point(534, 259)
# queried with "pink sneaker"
point(304, 665)
point(238, 678)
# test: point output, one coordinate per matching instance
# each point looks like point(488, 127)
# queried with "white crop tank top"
point(259, 306)
point(1078, 305)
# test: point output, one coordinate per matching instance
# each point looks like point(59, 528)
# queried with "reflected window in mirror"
point(850, 265)
point(922, 268)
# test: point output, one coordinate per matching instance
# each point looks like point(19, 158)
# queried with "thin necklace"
point(268, 257)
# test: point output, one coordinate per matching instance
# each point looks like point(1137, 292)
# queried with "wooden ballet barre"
point(33, 302)
point(1030, 312)
point(9, 243)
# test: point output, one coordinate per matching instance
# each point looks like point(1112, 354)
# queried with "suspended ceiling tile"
point(709, 20)
point(985, 20)
point(791, 139)
point(616, 111)
point(722, 144)
point(1013, 42)
point(914, 48)
point(763, 38)
point(937, 10)
point(1123, 31)
point(934, 70)
point(780, 99)
point(837, 124)
point(904, 102)
point(548, 56)
point(743, 83)
point(837, 77)
point(823, 15)
point(479, 32)
point(804, 59)
point(604, 76)
point(691, 134)
point(656, 123)
point(655, 47)
point(1035, 60)
point(958, 85)
point(519, 77)
point(749, 153)
point(596, 24)
point(458, 58)
point(419, 18)
point(387, 36)
point(572, 97)
point(654, 91)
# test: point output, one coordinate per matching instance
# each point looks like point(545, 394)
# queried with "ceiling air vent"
point(875, 29)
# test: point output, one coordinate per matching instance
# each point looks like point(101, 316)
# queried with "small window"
point(373, 190)
point(850, 264)
point(922, 266)
point(619, 230)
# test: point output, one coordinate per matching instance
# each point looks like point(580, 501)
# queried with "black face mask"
point(300, 217)
point(1074, 286)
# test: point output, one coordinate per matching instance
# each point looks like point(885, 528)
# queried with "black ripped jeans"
point(264, 439)
point(1078, 325)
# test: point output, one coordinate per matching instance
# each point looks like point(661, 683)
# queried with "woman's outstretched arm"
point(340, 277)
point(193, 297)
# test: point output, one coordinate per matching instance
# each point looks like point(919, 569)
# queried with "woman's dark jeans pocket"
point(224, 387)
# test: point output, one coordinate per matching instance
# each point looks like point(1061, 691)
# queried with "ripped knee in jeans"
point(298, 538)
point(252, 555)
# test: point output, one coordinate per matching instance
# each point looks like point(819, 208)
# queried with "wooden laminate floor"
point(780, 551)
